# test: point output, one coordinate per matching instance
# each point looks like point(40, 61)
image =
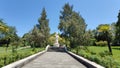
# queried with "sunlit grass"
point(115, 50)
point(100, 55)
point(16, 55)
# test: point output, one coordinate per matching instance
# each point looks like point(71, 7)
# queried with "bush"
point(103, 58)
point(95, 58)
point(92, 53)
point(109, 62)
point(101, 43)
point(10, 57)
point(104, 53)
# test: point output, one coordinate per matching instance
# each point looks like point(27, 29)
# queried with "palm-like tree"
point(104, 29)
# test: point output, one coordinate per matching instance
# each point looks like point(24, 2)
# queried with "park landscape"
point(100, 45)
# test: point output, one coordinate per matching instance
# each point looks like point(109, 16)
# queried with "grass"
point(115, 50)
point(100, 55)
point(9, 56)
point(19, 50)
point(2, 49)
point(9, 49)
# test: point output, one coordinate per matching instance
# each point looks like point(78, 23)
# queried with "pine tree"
point(64, 19)
point(72, 26)
point(44, 26)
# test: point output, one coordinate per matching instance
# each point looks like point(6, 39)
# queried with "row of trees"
point(73, 29)
point(37, 37)
point(69, 21)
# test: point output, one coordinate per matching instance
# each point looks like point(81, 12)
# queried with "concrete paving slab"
point(54, 60)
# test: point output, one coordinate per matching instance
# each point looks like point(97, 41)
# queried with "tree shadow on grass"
point(116, 48)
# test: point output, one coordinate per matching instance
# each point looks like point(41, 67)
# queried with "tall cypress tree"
point(117, 36)
point(44, 26)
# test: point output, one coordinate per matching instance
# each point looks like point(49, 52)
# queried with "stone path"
point(54, 60)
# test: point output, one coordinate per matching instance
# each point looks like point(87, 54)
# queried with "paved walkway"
point(54, 60)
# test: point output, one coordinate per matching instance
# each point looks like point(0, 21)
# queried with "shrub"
point(10, 57)
point(109, 62)
point(101, 43)
point(94, 58)
point(1, 63)
point(93, 53)
point(104, 53)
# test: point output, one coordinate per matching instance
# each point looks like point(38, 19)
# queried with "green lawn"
point(9, 49)
point(3, 49)
point(9, 56)
point(101, 55)
point(115, 50)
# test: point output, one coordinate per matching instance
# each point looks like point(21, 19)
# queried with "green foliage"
point(10, 57)
point(61, 40)
point(94, 58)
point(14, 46)
point(26, 39)
point(113, 31)
point(109, 62)
point(38, 36)
point(103, 34)
point(12, 34)
point(104, 53)
point(7, 34)
point(101, 43)
point(99, 55)
point(72, 26)
point(44, 26)
point(88, 38)
point(51, 39)
point(117, 35)
point(3, 27)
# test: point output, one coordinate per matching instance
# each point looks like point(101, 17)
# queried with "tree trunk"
point(109, 47)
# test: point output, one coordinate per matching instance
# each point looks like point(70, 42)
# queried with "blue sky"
point(24, 14)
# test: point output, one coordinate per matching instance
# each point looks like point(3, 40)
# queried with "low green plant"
point(10, 57)
point(104, 53)
point(101, 43)
point(101, 57)
point(109, 62)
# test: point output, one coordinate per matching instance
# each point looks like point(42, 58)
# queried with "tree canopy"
point(3, 27)
point(72, 25)
point(38, 36)
point(117, 35)
point(103, 33)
